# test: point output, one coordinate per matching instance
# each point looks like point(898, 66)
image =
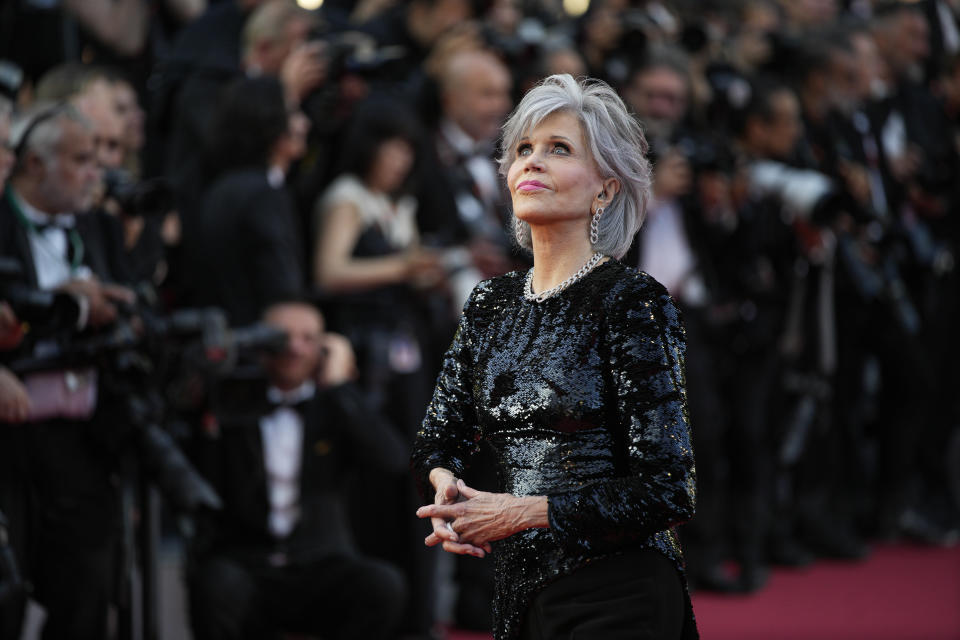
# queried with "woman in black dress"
point(573, 374)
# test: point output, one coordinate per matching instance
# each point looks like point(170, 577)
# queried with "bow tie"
point(295, 399)
point(63, 222)
point(283, 403)
point(46, 226)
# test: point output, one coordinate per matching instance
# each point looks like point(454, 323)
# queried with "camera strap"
point(75, 248)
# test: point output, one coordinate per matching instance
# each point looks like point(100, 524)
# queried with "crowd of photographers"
point(187, 185)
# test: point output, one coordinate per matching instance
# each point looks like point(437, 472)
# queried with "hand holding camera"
point(101, 298)
point(304, 70)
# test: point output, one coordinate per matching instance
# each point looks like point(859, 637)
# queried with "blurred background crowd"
point(186, 182)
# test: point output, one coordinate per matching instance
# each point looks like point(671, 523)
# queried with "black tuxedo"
point(68, 469)
point(340, 434)
point(246, 253)
point(301, 582)
point(439, 215)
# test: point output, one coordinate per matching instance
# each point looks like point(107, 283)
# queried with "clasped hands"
point(476, 518)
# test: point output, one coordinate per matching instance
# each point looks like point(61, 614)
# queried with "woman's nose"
point(533, 162)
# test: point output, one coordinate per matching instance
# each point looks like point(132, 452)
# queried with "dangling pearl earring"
point(595, 226)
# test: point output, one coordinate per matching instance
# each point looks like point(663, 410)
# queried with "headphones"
point(44, 115)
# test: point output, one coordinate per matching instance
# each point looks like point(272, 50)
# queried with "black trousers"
point(636, 596)
point(76, 528)
point(336, 597)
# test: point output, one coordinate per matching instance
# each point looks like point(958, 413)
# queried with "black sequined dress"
point(582, 399)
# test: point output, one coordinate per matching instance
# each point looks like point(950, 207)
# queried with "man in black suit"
point(244, 251)
point(66, 453)
point(280, 556)
point(464, 203)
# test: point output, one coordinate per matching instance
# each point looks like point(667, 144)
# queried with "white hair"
point(616, 143)
point(44, 124)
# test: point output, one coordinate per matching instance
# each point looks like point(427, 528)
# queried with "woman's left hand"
point(487, 517)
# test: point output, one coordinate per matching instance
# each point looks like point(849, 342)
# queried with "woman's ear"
point(610, 188)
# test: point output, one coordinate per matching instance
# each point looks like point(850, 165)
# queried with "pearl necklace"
point(549, 293)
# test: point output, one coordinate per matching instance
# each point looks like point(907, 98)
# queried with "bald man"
point(464, 204)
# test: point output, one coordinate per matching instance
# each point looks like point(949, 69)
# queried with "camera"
point(150, 198)
point(156, 366)
point(47, 313)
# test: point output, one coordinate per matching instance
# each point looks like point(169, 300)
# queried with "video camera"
point(157, 367)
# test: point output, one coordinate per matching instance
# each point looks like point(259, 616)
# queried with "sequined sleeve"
point(449, 433)
point(656, 486)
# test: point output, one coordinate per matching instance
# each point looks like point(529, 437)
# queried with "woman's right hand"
point(445, 484)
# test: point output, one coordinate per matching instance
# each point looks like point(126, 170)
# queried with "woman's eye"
point(524, 150)
point(560, 148)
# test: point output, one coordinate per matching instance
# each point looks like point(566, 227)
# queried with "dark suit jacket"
point(68, 462)
point(446, 177)
point(340, 435)
point(246, 253)
point(101, 240)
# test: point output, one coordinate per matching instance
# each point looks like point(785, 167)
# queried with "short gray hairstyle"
point(615, 140)
point(44, 125)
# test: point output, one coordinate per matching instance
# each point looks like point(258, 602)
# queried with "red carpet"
point(899, 593)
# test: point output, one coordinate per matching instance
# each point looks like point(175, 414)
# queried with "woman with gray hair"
point(573, 374)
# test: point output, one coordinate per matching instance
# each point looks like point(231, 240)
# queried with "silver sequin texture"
point(582, 399)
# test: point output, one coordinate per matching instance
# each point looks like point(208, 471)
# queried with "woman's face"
point(553, 177)
point(391, 165)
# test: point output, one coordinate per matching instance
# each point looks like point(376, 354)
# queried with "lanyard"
point(72, 234)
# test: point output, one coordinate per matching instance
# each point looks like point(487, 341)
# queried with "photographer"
point(281, 556)
point(244, 252)
point(464, 205)
point(233, 39)
point(70, 474)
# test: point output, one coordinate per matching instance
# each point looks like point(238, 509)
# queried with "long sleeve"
point(449, 433)
point(646, 374)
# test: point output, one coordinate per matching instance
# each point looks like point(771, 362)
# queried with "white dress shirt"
point(667, 255)
point(282, 434)
point(49, 246)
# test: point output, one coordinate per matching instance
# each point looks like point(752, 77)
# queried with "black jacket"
point(101, 235)
point(245, 254)
point(340, 435)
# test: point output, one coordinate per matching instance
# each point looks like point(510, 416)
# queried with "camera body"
point(47, 313)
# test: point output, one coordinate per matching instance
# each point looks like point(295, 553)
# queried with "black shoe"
point(916, 526)
point(789, 553)
point(713, 578)
point(753, 577)
point(840, 545)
